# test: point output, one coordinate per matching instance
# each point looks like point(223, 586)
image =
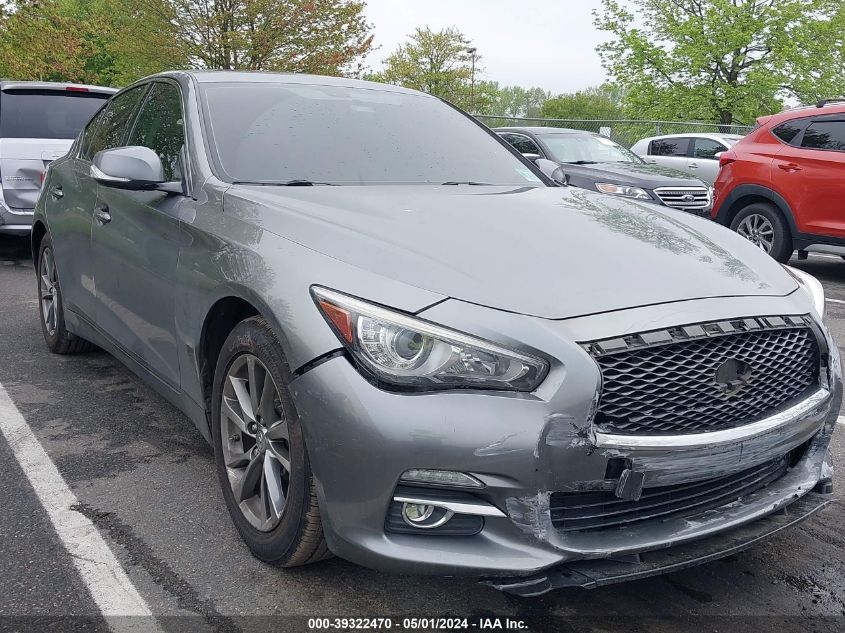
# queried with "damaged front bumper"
point(525, 448)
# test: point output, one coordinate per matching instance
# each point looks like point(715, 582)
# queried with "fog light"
point(416, 513)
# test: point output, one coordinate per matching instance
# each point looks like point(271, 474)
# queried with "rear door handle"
point(56, 192)
point(101, 214)
point(693, 165)
point(789, 167)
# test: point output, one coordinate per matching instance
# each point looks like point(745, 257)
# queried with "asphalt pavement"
point(145, 478)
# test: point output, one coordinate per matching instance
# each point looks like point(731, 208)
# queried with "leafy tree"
point(329, 37)
point(437, 63)
point(598, 102)
point(516, 101)
point(722, 60)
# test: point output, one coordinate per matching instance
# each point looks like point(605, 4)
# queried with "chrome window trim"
point(774, 422)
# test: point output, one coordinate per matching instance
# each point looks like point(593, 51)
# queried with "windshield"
point(47, 113)
point(587, 148)
point(304, 134)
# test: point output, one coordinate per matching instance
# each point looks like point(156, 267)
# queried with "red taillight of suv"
point(727, 158)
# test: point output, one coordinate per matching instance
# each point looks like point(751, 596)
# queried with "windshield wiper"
point(582, 162)
point(290, 183)
point(464, 182)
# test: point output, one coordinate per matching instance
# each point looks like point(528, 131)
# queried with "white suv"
point(696, 153)
point(38, 122)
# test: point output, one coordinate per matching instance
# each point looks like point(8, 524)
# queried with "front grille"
point(584, 511)
point(706, 377)
point(684, 197)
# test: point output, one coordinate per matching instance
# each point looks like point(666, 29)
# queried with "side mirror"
point(531, 156)
point(133, 168)
point(718, 155)
point(552, 170)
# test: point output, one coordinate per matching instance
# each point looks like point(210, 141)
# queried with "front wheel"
point(763, 225)
point(259, 448)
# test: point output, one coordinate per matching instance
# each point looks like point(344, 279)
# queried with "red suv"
point(783, 185)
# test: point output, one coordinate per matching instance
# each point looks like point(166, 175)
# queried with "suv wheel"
point(763, 225)
point(51, 307)
point(262, 462)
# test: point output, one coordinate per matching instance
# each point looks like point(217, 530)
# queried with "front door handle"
point(789, 167)
point(101, 214)
point(56, 192)
point(693, 165)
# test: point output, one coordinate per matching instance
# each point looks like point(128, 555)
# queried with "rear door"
point(38, 125)
point(704, 163)
point(135, 251)
point(810, 173)
point(670, 152)
point(71, 197)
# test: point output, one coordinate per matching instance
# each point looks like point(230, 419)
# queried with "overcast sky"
point(545, 43)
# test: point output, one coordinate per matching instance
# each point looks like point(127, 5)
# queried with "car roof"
point(802, 112)
point(7, 84)
point(254, 77)
point(544, 130)
point(717, 135)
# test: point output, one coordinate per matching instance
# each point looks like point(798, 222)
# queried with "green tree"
point(437, 63)
point(516, 101)
point(726, 61)
point(328, 37)
point(598, 102)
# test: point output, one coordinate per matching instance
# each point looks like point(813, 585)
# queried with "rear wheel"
point(763, 225)
point(262, 462)
point(51, 307)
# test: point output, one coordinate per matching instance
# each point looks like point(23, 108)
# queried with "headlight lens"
point(623, 190)
point(811, 286)
point(408, 352)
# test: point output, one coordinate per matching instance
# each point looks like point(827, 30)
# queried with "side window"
point(669, 147)
point(707, 148)
point(523, 144)
point(789, 130)
point(827, 135)
point(88, 133)
point(159, 126)
point(110, 126)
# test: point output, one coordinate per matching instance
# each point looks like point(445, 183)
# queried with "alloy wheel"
point(48, 285)
point(757, 229)
point(255, 442)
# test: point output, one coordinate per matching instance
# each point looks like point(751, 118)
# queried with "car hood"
point(553, 252)
point(644, 175)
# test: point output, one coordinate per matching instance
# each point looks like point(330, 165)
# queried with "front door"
point(135, 245)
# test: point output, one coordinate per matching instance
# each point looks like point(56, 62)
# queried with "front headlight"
point(408, 352)
point(811, 286)
point(623, 190)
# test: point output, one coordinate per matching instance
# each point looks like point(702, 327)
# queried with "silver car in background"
point(696, 153)
point(408, 348)
point(38, 122)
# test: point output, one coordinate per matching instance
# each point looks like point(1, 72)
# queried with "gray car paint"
point(513, 266)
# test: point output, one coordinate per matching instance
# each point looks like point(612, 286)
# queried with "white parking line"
point(835, 300)
point(841, 420)
point(102, 573)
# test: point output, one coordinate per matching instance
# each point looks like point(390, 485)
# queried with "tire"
point(276, 510)
point(762, 224)
point(51, 306)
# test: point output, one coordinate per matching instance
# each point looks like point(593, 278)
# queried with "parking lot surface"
point(145, 477)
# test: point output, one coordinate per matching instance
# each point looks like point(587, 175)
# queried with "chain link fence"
point(624, 131)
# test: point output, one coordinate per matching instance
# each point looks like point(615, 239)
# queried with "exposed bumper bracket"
point(589, 574)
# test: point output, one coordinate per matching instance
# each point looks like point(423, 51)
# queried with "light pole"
point(472, 51)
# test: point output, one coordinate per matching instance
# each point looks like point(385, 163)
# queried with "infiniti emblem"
point(731, 376)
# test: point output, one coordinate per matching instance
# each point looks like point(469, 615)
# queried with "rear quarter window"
point(51, 114)
point(789, 130)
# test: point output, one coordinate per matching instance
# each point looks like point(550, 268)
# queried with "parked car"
point(404, 350)
point(594, 162)
point(783, 185)
point(697, 154)
point(38, 122)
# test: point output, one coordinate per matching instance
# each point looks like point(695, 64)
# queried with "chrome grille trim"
point(663, 383)
point(674, 197)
